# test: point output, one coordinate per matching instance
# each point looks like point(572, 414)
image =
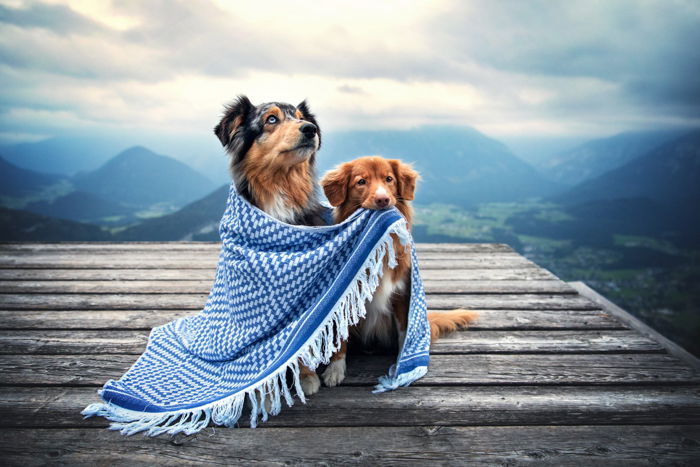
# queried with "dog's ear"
point(335, 185)
point(234, 115)
point(406, 178)
point(303, 107)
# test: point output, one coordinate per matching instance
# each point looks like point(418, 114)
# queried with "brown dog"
point(379, 183)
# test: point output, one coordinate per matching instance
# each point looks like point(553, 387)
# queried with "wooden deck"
point(546, 376)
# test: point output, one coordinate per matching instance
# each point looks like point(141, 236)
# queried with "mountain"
point(23, 226)
point(83, 207)
point(668, 174)
point(140, 178)
point(65, 154)
point(17, 182)
point(458, 165)
point(196, 221)
point(598, 156)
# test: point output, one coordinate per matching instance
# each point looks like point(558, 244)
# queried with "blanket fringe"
point(389, 383)
point(265, 398)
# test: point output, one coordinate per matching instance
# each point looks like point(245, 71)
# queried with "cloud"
point(648, 49)
point(549, 67)
point(348, 89)
point(51, 17)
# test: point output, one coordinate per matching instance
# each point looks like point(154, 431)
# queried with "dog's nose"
point(309, 130)
point(381, 201)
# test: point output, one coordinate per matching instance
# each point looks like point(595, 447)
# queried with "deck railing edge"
point(635, 323)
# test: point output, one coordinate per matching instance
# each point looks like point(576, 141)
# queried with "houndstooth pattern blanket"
point(282, 294)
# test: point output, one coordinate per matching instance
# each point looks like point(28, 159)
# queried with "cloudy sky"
point(509, 68)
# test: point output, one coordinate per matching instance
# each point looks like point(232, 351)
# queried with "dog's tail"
point(445, 322)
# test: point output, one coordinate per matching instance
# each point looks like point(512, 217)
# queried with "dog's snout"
point(381, 201)
point(308, 129)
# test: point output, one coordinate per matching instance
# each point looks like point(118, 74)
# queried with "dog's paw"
point(310, 384)
point(335, 373)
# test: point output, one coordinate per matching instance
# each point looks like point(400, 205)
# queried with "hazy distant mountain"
point(669, 174)
point(16, 225)
point(196, 221)
point(63, 155)
point(598, 156)
point(18, 182)
point(83, 207)
point(140, 178)
point(458, 165)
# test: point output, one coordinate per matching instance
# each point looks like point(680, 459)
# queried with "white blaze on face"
point(381, 191)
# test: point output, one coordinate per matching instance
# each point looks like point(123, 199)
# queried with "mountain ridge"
point(198, 220)
point(17, 183)
point(459, 165)
point(670, 173)
point(138, 177)
point(598, 156)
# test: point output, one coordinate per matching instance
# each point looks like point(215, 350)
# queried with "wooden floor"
point(547, 376)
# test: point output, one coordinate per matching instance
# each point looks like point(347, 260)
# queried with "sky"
point(515, 70)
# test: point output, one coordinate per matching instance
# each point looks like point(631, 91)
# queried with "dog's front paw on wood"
point(310, 384)
point(335, 373)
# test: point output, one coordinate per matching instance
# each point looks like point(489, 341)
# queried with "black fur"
point(311, 118)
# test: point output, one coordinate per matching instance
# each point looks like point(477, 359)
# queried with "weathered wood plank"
point(6, 248)
point(196, 301)
point(500, 369)
point(134, 342)
point(513, 445)
point(147, 319)
point(639, 326)
point(200, 287)
point(532, 273)
point(474, 341)
point(412, 406)
point(202, 261)
point(202, 256)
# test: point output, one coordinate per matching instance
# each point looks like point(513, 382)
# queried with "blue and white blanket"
point(282, 294)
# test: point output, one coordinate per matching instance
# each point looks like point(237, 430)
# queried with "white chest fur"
point(280, 209)
point(378, 324)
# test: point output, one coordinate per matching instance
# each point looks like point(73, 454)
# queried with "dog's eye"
point(389, 178)
point(361, 181)
point(271, 120)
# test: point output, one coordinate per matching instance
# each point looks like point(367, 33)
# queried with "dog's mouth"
point(371, 205)
point(305, 147)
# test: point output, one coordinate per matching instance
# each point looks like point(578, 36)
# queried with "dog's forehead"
point(287, 109)
point(371, 166)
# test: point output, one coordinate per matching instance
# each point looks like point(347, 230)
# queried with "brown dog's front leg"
point(335, 372)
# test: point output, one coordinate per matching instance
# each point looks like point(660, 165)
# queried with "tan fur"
point(274, 170)
point(343, 191)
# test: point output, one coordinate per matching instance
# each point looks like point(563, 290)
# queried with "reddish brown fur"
point(445, 322)
point(343, 191)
